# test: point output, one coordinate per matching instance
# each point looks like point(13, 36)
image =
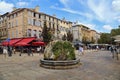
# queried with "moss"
point(63, 50)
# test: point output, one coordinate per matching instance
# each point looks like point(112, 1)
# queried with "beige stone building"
point(83, 33)
point(24, 22)
point(3, 26)
point(94, 36)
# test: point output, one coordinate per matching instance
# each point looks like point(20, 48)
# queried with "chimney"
point(37, 8)
point(63, 19)
point(14, 8)
point(54, 15)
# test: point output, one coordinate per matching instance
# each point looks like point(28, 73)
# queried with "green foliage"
point(115, 32)
point(105, 38)
point(85, 40)
point(69, 36)
point(46, 34)
point(63, 50)
point(92, 40)
point(64, 38)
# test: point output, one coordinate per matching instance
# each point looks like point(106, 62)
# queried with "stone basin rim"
point(60, 60)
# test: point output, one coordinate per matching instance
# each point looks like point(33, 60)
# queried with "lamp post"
point(9, 50)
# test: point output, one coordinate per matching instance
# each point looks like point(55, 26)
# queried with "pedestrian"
point(28, 51)
point(39, 50)
point(32, 50)
point(21, 50)
point(5, 51)
point(97, 48)
point(81, 51)
point(112, 51)
point(9, 51)
point(14, 51)
point(116, 52)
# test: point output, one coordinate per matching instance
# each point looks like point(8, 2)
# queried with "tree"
point(92, 40)
point(69, 36)
point(0, 36)
point(47, 35)
point(105, 38)
point(84, 39)
point(64, 38)
point(115, 32)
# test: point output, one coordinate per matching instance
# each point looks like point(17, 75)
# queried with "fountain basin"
point(52, 64)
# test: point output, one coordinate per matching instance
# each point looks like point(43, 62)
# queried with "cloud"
point(116, 5)
point(22, 4)
point(91, 26)
point(102, 10)
point(93, 9)
point(107, 27)
point(73, 11)
point(65, 3)
point(5, 7)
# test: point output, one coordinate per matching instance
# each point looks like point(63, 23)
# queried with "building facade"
point(3, 26)
point(24, 22)
point(84, 34)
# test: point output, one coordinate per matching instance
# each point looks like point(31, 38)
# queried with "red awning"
point(39, 43)
point(11, 42)
point(25, 42)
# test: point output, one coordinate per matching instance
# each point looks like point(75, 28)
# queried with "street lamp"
point(9, 52)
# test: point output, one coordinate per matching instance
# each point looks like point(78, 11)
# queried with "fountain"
point(59, 55)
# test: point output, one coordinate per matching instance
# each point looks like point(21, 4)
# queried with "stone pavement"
point(96, 65)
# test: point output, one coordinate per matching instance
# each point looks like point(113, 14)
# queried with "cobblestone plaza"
point(97, 65)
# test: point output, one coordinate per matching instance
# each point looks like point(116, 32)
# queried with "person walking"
point(39, 50)
point(30, 51)
point(5, 51)
point(20, 50)
point(14, 51)
point(81, 51)
point(112, 51)
point(116, 53)
point(9, 51)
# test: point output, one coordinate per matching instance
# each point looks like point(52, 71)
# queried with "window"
point(34, 14)
point(39, 15)
point(35, 35)
point(16, 23)
point(29, 21)
point(13, 34)
point(13, 23)
point(40, 34)
point(34, 21)
point(39, 23)
point(29, 13)
point(9, 25)
point(50, 25)
point(29, 33)
point(14, 15)
point(8, 35)
point(44, 17)
point(16, 33)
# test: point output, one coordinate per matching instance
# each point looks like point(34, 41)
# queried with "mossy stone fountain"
point(59, 55)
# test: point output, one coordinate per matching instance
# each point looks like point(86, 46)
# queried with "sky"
point(99, 15)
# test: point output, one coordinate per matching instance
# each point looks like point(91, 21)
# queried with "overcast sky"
point(100, 15)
